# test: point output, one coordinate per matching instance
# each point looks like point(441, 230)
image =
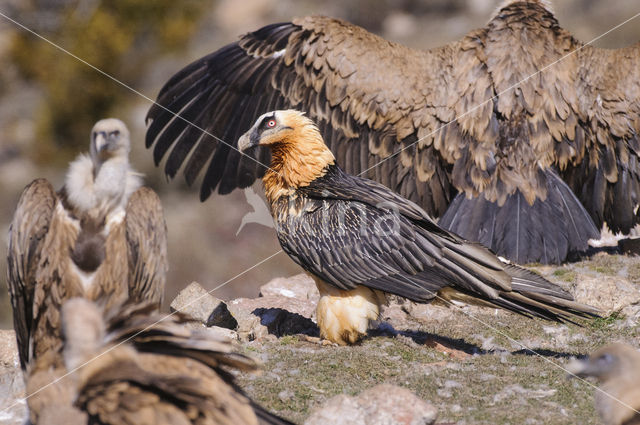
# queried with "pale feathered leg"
point(343, 316)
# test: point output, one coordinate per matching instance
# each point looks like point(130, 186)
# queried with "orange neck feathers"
point(298, 157)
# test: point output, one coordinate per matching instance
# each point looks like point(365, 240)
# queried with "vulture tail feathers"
point(544, 232)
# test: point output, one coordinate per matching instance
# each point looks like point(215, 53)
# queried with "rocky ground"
point(472, 365)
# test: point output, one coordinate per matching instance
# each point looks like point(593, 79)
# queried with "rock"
point(273, 314)
point(223, 332)
point(300, 286)
point(285, 395)
point(198, 304)
point(404, 314)
point(383, 404)
point(13, 408)
point(249, 326)
point(607, 293)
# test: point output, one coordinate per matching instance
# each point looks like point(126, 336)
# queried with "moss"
point(565, 275)
point(288, 339)
point(633, 271)
point(604, 270)
point(606, 322)
point(606, 264)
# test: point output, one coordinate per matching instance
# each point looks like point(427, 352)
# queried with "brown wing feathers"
point(280, 66)
point(146, 236)
point(372, 98)
point(28, 229)
point(134, 365)
point(195, 92)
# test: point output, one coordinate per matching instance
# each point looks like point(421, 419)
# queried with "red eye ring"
point(271, 123)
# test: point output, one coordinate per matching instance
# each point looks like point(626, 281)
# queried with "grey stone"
point(383, 404)
point(223, 332)
point(197, 303)
point(607, 293)
point(300, 286)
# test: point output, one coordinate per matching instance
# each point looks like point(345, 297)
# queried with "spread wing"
point(495, 116)
point(28, 229)
point(147, 242)
point(575, 109)
point(605, 173)
point(368, 96)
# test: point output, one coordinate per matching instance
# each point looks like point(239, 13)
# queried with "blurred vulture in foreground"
point(101, 235)
point(617, 368)
point(141, 368)
point(530, 167)
point(359, 240)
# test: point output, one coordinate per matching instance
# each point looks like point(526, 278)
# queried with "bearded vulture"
point(133, 366)
point(617, 368)
point(359, 240)
point(101, 234)
point(517, 136)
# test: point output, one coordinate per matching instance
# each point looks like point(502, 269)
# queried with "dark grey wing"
point(350, 243)
point(146, 233)
point(361, 233)
point(26, 235)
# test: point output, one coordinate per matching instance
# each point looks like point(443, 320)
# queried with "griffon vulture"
point(617, 368)
point(529, 161)
point(101, 234)
point(137, 367)
point(357, 238)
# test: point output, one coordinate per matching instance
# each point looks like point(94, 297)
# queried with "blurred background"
point(49, 101)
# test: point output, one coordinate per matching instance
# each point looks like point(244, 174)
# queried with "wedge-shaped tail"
point(547, 231)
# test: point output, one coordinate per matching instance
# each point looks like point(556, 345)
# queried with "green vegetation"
point(119, 38)
point(606, 264)
point(565, 275)
point(604, 322)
